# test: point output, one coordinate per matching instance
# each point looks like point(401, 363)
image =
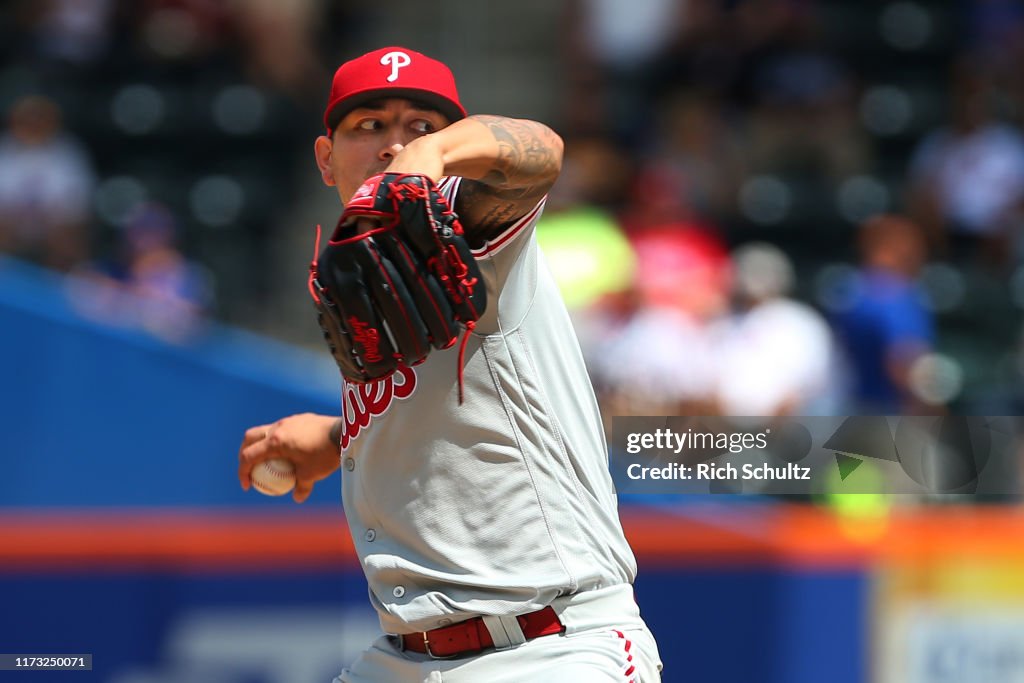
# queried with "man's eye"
point(422, 126)
point(368, 124)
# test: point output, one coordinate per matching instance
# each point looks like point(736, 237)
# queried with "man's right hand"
point(307, 440)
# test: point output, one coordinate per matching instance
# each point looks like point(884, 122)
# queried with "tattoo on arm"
point(529, 157)
point(529, 160)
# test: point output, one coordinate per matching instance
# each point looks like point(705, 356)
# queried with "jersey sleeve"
point(509, 262)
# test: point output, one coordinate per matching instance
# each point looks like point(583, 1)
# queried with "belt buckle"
point(426, 646)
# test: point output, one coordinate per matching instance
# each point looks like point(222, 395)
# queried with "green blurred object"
point(857, 497)
point(588, 254)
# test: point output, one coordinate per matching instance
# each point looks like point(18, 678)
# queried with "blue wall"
point(97, 415)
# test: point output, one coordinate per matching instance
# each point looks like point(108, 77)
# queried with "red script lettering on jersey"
point(361, 402)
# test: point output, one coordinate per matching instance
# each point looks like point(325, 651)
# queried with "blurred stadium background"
point(772, 207)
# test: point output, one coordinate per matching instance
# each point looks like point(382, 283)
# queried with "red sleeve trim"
point(495, 245)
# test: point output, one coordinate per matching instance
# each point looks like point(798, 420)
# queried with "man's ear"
point(322, 148)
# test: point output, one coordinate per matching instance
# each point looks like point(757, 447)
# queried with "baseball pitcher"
point(474, 468)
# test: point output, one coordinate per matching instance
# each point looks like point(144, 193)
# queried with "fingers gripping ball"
point(274, 477)
point(388, 295)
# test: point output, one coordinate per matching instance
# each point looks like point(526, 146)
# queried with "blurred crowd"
point(820, 205)
point(151, 147)
point(767, 206)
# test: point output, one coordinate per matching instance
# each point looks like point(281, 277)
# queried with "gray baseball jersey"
point(503, 503)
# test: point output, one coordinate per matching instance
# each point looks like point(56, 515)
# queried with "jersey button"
point(370, 535)
point(350, 464)
point(399, 591)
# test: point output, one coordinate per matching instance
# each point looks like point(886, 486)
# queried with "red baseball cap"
point(392, 72)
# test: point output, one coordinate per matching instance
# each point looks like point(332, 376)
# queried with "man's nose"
point(389, 151)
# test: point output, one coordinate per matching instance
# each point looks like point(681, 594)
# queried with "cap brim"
point(442, 104)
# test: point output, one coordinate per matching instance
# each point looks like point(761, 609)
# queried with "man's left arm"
point(507, 165)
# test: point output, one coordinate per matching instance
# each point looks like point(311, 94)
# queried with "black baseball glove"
point(391, 288)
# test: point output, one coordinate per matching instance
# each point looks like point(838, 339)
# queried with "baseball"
point(274, 477)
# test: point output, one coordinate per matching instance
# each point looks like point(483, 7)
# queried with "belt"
point(471, 636)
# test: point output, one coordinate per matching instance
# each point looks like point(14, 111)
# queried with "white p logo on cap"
point(396, 60)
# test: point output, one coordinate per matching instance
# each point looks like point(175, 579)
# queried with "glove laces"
point(462, 355)
point(311, 283)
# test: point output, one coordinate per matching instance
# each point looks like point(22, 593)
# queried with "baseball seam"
point(273, 472)
point(277, 473)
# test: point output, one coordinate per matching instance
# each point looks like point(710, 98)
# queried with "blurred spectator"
point(776, 355)
point(699, 160)
point(995, 36)
point(46, 185)
point(182, 31)
point(278, 50)
point(74, 32)
point(596, 171)
point(660, 360)
point(652, 355)
point(802, 117)
point(611, 47)
point(705, 57)
point(968, 177)
point(766, 63)
point(661, 199)
point(149, 283)
point(682, 259)
point(882, 321)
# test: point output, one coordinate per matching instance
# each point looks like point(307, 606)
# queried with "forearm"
point(501, 152)
point(510, 163)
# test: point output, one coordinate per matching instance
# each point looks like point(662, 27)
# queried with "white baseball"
point(274, 477)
